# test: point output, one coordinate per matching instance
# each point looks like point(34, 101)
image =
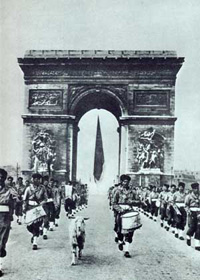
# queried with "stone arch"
point(98, 97)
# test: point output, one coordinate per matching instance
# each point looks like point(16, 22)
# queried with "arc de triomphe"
point(137, 87)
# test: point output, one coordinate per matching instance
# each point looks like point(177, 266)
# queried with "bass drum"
point(131, 221)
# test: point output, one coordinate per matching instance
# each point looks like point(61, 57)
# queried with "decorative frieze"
point(42, 98)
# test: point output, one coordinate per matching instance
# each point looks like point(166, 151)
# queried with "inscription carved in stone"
point(151, 98)
point(45, 98)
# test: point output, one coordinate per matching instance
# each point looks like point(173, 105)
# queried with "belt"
point(32, 203)
point(154, 199)
point(4, 208)
point(180, 204)
point(50, 200)
point(125, 206)
point(195, 209)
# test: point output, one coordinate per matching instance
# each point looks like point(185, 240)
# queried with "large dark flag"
point(99, 154)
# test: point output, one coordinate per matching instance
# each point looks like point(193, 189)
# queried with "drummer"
point(192, 203)
point(124, 195)
point(57, 195)
point(170, 212)
point(144, 199)
point(20, 188)
point(153, 197)
point(49, 206)
point(180, 214)
point(34, 195)
point(6, 202)
point(163, 197)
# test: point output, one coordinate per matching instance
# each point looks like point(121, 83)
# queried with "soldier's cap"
point(10, 178)
point(181, 184)
point(3, 173)
point(52, 180)
point(173, 186)
point(195, 186)
point(20, 178)
point(166, 185)
point(36, 176)
point(45, 178)
point(124, 177)
point(151, 187)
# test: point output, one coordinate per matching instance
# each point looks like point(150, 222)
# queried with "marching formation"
point(177, 210)
point(37, 203)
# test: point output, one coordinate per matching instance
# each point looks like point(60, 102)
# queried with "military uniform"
point(49, 208)
point(70, 204)
point(34, 195)
point(180, 214)
point(153, 208)
point(163, 196)
point(6, 201)
point(123, 196)
point(192, 203)
point(20, 188)
point(57, 196)
point(170, 213)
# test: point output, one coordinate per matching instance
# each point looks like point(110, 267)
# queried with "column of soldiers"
point(176, 210)
point(37, 203)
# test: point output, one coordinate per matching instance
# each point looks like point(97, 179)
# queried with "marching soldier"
point(170, 209)
point(49, 206)
point(192, 203)
point(163, 205)
point(153, 197)
point(11, 185)
point(34, 196)
point(180, 214)
point(69, 199)
point(7, 196)
point(57, 196)
point(144, 199)
point(124, 196)
point(20, 188)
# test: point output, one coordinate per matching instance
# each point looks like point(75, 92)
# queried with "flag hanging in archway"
point(99, 154)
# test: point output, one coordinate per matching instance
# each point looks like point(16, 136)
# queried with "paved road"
point(156, 254)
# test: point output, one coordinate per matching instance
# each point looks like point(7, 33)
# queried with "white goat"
point(77, 237)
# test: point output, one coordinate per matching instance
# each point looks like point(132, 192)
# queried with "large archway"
point(86, 148)
point(137, 87)
point(87, 99)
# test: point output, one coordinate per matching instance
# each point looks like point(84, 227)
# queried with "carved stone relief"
point(119, 90)
point(150, 153)
point(43, 151)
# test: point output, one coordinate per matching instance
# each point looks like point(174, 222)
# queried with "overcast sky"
point(103, 24)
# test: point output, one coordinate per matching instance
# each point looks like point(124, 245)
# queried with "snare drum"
point(34, 214)
point(131, 221)
point(157, 203)
point(195, 209)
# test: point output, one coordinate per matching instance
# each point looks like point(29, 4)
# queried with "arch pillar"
point(123, 148)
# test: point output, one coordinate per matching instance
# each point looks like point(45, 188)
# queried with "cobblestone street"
point(156, 254)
